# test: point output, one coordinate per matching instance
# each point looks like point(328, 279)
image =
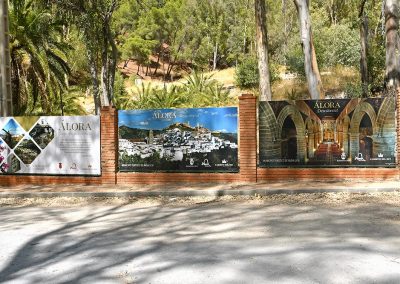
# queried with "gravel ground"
point(328, 199)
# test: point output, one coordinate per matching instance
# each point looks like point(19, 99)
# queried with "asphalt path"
point(202, 241)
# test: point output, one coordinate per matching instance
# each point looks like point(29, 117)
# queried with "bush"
point(295, 62)
point(376, 62)
point(353, 90)
point(247, 75)
point(120, 97)
point(337, 44)
point(199, 90)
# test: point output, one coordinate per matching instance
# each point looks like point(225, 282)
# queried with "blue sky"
point(215, 119)
point(13, 128)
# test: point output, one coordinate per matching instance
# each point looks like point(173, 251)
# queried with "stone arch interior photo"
point(328, 133)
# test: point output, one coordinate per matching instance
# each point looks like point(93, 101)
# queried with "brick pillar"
point(248, 138)
point(109, 143)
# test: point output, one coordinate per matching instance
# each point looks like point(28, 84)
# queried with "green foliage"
point(376, 61)
point(198, 90)
point(167, 98)
point(121, 98)
point(338, 45)
point(183, 35)
point(38, 57)
point(78, 60)
point(202, 90)
point(217, 96)
point(247, 75)
point(138, 48)
point(295, 62)
point(353, 90)
point(72, 103)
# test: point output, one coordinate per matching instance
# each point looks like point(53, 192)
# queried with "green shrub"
point(295, 62)
point(337, 45)
point(353, 90)
point(247, 75)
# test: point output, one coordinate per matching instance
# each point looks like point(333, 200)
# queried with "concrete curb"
point(189, 193)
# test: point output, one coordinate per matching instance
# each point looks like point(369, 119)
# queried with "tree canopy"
point(65, 50)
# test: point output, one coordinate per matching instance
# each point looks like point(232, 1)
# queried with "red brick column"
point(248, 138)
point(109, 145)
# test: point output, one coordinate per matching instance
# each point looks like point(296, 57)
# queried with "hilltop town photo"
point(161, 140)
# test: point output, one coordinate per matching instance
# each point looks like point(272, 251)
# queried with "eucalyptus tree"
point(241, 21)
point(392, 73)
point(364, 47)
point(210, 17)
point(310, 59)
point(262, 50)
point(94, 19)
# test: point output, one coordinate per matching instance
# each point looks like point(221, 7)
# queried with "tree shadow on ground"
point(257, 242)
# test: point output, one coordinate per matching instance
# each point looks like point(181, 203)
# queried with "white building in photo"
point(174, 144)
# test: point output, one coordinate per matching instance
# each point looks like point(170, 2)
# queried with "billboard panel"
point(51, 145)
point(328, 133)
point(178, 140)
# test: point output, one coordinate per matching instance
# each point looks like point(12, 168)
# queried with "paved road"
point(210, 242)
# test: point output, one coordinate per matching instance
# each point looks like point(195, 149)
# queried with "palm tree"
point(38, 60)
point(218, 96)
point(167, 98)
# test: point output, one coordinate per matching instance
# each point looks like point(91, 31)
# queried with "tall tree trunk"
point(215, 55)
point(245, 29)
point(392, 74)
point(112, 65)
point(262, 50)
point(158, 62)
point(6, 91)
point(364, 49)
point(310, 61)
point(104, 74)
point(95, 82)
point(19, 98)
point(172, 62)
point(285, 30)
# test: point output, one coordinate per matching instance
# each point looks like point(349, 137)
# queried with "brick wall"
point(247, 160)
point(247, 156)
point(282, 174)
point(108, 160)
point(312, 174)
